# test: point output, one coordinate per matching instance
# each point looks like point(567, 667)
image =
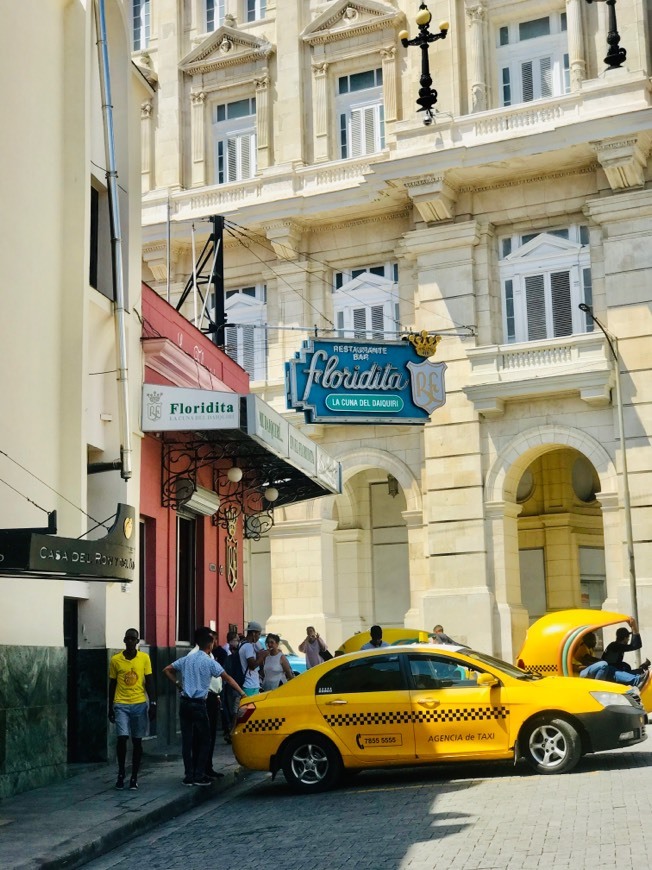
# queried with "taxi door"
point(367, 704)
point(454, 714)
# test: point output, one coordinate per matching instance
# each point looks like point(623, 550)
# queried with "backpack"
point(233, 667)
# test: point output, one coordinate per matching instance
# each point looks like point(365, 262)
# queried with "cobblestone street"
point(477, 817)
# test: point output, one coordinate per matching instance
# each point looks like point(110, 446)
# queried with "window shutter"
point(360, 322)
point(340, 324)
point(344, 138)
point(528, 82)
point(231, 342)
point(545, 76)
point(562, 312)
point(357, 127)
point(377, 321)
point(510, 318)
point(246, 155)
point(231, 159)
point(369, 120)
point(248, 354)
point(587, 288)
point(536, 307)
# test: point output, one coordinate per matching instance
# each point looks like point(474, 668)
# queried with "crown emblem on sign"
point(424, 343)
point(154, 397)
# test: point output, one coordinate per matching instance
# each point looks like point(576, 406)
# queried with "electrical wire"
point(18, 492)
point(265, 243)
point(51, 488)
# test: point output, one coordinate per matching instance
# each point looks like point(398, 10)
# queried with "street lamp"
point(613, 347)
point(616, 55)
point(427, 94)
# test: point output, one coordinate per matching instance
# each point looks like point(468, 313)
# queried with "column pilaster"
point(146, 143)
point(388, 58)
point(263, 142)
point(320, 89)
point(575, 43)
point(197, 121)
point(476, 15)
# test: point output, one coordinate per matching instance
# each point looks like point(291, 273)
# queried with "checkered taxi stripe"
point(263, 725)
point(541, 669)
point(452, 714)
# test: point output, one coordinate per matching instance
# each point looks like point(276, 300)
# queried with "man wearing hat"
point(252, 655)
point(614, 654)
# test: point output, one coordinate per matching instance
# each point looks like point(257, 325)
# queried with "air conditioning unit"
point(199, 501)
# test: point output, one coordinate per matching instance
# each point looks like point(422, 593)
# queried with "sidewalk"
point(67, 824)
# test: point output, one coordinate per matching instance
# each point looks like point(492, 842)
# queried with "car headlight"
point(611, 699)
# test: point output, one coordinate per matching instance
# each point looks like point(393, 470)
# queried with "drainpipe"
point(116, 244)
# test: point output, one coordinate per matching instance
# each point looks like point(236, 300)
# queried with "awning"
point(205, 427)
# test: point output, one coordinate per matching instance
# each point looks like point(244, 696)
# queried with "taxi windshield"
point(505, 667)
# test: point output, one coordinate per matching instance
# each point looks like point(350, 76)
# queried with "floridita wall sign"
point(336, 381)
point(167, 409)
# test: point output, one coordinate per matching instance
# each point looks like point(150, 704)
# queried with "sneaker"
point(203, 781)
point(213, 774)
point(133, 784)
point(188, 780)
point(120, 781)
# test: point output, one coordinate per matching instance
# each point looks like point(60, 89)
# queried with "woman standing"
point(277, 668)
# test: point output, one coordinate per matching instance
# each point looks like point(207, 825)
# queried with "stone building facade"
point(528, 196)
point(58, 363)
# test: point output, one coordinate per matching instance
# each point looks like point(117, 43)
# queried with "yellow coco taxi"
point(420, 704)
point(551, 642)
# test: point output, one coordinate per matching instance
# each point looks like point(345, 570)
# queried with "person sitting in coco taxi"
point(613, 668)
point(583, 655)
point(376, 641)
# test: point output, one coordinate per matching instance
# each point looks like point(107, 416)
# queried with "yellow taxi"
point(419, 704)
point(551, 642)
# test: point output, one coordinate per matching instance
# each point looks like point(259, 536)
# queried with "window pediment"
point(225, 47)
point(544, 245)
point(367, 282)
point(349, 18)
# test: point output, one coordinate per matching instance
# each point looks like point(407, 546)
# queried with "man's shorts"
point(131, 720)
point(250, 693)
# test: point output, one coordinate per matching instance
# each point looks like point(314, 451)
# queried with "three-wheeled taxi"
point(551, 641)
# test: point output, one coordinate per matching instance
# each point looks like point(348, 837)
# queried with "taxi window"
point(436, 672)
point(377, 674)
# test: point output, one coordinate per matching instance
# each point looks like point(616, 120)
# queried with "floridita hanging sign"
point(336, 381)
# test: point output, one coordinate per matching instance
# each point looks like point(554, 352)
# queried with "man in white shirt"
point(252, 655)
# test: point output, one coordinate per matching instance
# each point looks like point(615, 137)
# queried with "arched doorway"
point(551, 511)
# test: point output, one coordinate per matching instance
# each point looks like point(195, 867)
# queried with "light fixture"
point(234, 474)
point(616, 56)
point(427, 94)
point(271, 494)
point(392, 485)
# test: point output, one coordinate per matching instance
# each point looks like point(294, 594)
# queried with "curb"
point(79, 850)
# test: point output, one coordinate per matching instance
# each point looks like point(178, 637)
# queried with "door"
point(454, 715)
point(70, 629)
point(367, 704)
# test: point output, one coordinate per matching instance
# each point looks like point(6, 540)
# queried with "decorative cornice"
point(285, 237)
point(166, 358)
point(530, 179)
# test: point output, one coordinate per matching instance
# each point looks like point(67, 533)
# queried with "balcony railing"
point(580, 365)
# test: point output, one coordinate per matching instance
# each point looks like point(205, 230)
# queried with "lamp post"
point(613, 346)
point(427, 94)
point(616, 55)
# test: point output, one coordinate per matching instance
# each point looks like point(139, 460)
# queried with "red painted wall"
point(216, 602)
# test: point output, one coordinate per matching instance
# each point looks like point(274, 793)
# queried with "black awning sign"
point(34, 553)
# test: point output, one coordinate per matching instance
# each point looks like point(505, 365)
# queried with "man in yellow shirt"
point(130, 686)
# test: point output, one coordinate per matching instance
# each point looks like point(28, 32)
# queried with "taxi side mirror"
point(487, 680)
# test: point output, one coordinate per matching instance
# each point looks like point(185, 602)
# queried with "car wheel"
point(311, 763)
point(552, 746)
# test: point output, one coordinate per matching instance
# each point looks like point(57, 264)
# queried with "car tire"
point(552, 746)
point(311, 763)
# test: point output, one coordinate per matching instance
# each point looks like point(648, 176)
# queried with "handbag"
point(325, 655)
